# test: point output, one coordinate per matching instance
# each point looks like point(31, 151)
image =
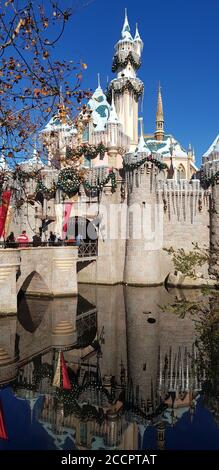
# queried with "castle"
point(141, 195)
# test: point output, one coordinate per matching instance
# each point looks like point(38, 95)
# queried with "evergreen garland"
point(23, 176)
point(69, 183)
point(129, 86)
point(100, 185)
point(135, 165)
point(87, 150)
point(123, 63)
point(48, 193)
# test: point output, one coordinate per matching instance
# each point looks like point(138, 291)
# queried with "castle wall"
point(186, 214)
point(109, 265)
point(186, 218)
point(173, 214)
point(160, 353)
point(143, 247)
point(156, 214)
point(109, 301)
point(214, 268)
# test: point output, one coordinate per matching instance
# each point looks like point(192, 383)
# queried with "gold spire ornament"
point(159, 133)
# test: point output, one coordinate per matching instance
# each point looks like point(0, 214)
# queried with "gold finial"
point(159, 134)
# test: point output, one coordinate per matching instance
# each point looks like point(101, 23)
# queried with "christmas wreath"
point(68, 181)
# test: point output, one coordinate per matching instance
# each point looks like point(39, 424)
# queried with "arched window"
point(181, 172)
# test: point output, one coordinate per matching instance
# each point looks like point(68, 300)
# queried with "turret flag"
point(6, 196)
point(3, 432)
point(61, 378)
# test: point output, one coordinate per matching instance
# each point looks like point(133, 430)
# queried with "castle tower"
point(214, 230)
point(113, 127)
point(159, 133)
point(127, 87)
point(161, 435)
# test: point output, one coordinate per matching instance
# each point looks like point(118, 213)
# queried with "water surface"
point(142, 362)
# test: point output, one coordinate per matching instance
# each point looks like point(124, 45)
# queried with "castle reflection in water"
point(137, 367)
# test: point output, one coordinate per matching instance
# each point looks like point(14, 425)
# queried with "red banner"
point(67, 212)
point(65, 378)
point(6, 196)
point(3, 432)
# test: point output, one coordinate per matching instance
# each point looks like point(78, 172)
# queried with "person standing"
point(10, 241)
point(23, 239)
point(36, 239)
point(52, 238)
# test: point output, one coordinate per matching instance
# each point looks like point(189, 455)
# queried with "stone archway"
point(34, 283)
point(31, 311)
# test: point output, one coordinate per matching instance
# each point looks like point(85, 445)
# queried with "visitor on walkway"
point(52, 238)
point(79, 239)
point(36, 239)
point(23, 239)
point(10, 241)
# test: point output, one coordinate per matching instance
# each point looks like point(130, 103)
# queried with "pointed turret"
point(142, 147)
point(113, 118)
point(138, 41)
point(190, 152)
point(159, 133)
point(126, 34)
point(113, 126)
point(98, 81)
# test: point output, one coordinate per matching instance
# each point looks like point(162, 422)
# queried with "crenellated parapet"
point(183, 200)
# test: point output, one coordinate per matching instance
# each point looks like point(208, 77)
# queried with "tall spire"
point(159, 134)
point(137, 35)
point(138, 41)
point(126, 34)
point(159, 103)
point(98, 80)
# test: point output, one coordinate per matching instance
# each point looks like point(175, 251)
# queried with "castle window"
point(181, 173)
point(86, 134)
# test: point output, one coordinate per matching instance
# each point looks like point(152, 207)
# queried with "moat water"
point(142, 365)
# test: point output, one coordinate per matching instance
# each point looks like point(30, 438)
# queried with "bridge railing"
point(85, 248)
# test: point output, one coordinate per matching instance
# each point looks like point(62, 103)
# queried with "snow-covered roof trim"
point(100, 109)
point(113, 118)
point(137, 35)
point(142, 146)
point(126, 34)
point(55, 124)
point(167, 147)
point(213, 147)
point(35, 161)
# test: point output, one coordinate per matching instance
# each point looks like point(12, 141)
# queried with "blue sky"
point(180, 49)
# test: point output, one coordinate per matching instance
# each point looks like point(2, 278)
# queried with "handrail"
point(85, 248)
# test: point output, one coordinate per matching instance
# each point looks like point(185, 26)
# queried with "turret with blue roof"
point(100, 108)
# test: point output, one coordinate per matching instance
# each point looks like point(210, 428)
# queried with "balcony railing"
point(87, 249)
